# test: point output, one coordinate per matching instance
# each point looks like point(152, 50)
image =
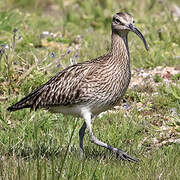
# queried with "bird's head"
point(122, 23)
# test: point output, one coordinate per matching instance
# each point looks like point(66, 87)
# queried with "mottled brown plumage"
point(88, 88)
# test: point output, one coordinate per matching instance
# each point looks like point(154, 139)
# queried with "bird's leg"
point(96, 141)
point(81, 136)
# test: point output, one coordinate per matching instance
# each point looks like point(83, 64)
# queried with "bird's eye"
point(133, 22)
point(117, 21)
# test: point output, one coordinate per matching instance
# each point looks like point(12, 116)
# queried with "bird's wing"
point(62, 89)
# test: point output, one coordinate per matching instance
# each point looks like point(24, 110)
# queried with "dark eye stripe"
point(117, 21)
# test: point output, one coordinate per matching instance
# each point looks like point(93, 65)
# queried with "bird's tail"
point(23, 103)
point(26, 102)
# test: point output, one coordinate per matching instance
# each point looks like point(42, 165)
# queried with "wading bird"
point(89, 88)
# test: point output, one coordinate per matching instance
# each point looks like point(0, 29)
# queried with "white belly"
point(76, 110)
point(73, 110)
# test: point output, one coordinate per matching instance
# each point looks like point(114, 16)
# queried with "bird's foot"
point(125, 156)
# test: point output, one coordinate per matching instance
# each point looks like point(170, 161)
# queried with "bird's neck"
point(119, 47)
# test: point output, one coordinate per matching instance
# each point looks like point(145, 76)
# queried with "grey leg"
point(81, 136)
point(95, 140)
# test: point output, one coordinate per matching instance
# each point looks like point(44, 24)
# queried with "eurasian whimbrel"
point(89, 88)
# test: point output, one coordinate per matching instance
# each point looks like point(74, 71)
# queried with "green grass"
point(40, 145)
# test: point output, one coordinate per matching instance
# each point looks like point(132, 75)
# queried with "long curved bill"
point(135, 30)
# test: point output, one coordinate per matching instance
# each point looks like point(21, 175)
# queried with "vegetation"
point(40, 38)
